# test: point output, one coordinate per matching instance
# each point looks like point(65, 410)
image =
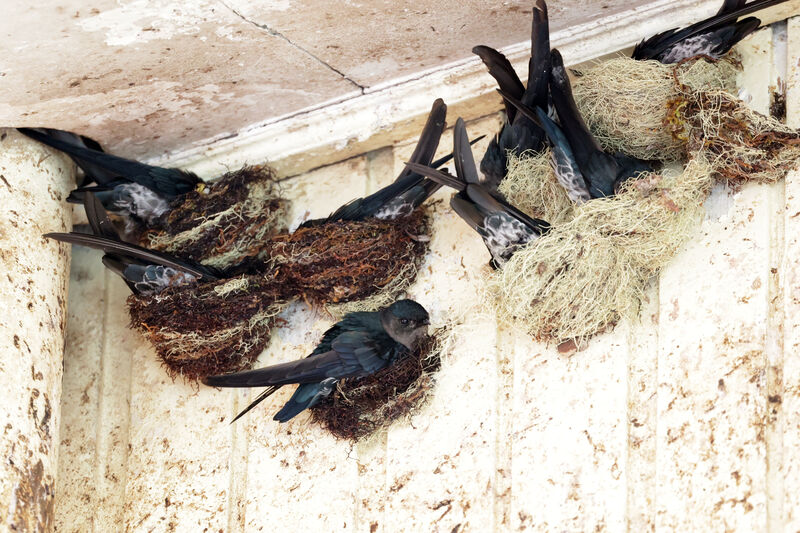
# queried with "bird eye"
point(404, 321)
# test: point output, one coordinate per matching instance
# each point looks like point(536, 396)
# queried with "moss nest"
point(360, 407)
point(224, 223)
point(625, 102)
point(208, 328)
point(530, 185)
point(588, 272)
point(740, 143)
point(344, 261)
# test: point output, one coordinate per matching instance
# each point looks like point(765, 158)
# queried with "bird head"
point(406, 322)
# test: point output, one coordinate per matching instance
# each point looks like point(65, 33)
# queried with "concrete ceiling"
point(148, 77)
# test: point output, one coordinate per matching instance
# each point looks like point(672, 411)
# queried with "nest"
point(625, 102)
point(343, 261)
point(359, 407)
point(740, 143)
point(208, 328)
point(225, 223)
point(531, 185)
point(588, 272)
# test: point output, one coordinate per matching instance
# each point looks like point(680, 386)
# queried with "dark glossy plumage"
point(518, 133)
point(145, 271)
point(124, 186)
point(601, 172)
point(409, 190)
point(503, 227)
point(712, 37)
point(358, 345)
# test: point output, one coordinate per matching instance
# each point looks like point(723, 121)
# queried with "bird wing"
point(361, 208)
point(98, 218)
point(501, 70)
point(539, 63)
point(353, 353)
point(429, 138)
point(731, 10)
point(169, 182)
point(132, 251)
point(91, 172)
point(578, 135)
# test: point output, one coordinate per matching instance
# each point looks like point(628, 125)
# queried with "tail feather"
point(463, 159)
point(124, 249)
point(266, 393)
point(501, 70)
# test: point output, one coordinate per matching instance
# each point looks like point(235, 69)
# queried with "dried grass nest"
point(208, 328)
point(360, 407)
point(593, 266)
point(223, 224)
point(668, 112)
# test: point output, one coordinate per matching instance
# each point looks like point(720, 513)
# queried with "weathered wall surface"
point(688, 420)
point(301, 83)
point(34, 183)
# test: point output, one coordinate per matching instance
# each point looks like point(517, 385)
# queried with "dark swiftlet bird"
point(401, 197)
point(712, 37)
point(145, 271)
point(518, 132)
point(136, 191)
point(503, 227)
point(575, 148)
point(360, 344)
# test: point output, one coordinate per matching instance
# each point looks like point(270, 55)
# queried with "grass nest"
point(740, 143)
point(344, 261)
point(208, 328)
point(359, 407)
point(669, 112)
point(591, 270)
point(224, 223)
point(530, 185)
point(625, 102)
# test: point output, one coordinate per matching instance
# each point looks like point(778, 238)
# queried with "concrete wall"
point(684, 421)
point(300, 83)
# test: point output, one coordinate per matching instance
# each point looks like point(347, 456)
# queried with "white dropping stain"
point(146, 20)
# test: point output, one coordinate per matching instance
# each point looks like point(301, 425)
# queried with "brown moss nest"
point(360, 407)
point(740, 143)
point(625, 102)
point(345, 261)
point(208, 328)
point(224, 223)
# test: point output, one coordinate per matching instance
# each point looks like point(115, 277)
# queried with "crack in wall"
point(276, 33)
